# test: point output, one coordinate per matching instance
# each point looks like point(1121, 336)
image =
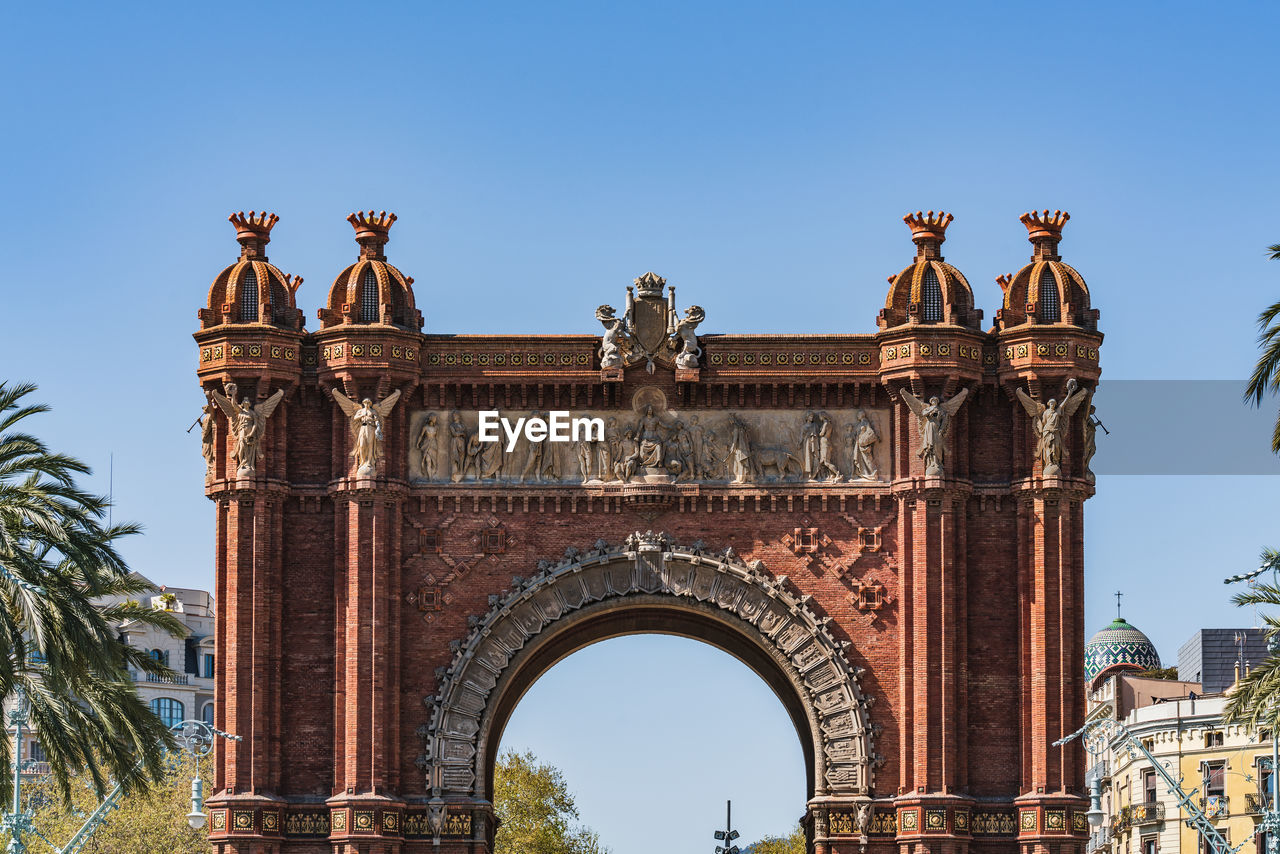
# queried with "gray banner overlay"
point(1201, 427)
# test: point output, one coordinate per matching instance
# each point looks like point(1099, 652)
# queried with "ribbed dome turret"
point(1116, 648)
point(252, 290)
point(371, 290)
point(929, 290)
point(1046, 290)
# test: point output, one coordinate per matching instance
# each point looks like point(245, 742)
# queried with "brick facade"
point(351, 605)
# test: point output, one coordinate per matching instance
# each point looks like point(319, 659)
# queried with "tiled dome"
point(1118, 647)
point(371, 290)
point(1046, 290)
point(252, 290)
point(929, 290)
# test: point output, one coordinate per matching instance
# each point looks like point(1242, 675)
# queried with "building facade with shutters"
point(187, 694)
point(886, 526)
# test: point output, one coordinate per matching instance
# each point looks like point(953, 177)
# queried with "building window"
point(207, 668)
point(1264, 779)
point(1150, 845)
point(930, 296)
point(160, 655)
point(1049, 306)
point(206, 714)
point(35, 752)
point(249, 296)
point(369, 297)
point(1149, 785)
point(1213, 739)
point(167, 710)
point(1215, 778)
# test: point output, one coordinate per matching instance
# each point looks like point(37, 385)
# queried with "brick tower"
point(886, 527)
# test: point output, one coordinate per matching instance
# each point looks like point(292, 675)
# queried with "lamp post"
point(1271, 815)
point(194, 737)
point(728, 834)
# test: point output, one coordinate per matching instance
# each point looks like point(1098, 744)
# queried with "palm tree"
point(1253, 702)
point(1266, 373)
point(59, 652)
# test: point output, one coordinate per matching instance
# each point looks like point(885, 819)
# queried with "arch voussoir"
point(759, 607)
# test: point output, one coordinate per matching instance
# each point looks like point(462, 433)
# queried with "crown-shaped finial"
point(371, 232)
point(253, 232)
point(1041, 225)
point(928, 226)
point(650, 283)
point(371, 222)
point(1004, 280)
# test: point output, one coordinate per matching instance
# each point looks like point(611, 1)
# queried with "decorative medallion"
point(935, 820)
point(909, 820)
point(1027, 821)
point(242, 820)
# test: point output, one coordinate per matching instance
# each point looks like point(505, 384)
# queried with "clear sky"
point(758, 155)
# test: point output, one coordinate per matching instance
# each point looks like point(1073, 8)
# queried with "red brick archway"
point(364, 551)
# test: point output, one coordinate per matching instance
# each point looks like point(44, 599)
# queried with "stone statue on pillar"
point(366, 420)
point(248, 422)
point(933, 419)
point(1049, 421)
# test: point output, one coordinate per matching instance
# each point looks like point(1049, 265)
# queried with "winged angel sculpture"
point(366, 419)
point(247, 424)
point(934, 420)
point(1049, 421)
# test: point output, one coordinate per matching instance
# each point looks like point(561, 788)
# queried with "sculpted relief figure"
point(1090, 442)
point(366, 426)
point(741, 461)
point(933, 419)
point(862, 438)
point(458, 441)
point(428, 445)
point(816, 448)
point(685, 337)
point(709, 461)
point(1049, 421)
point(247, 424)
point(207, 449)
point(628, 457)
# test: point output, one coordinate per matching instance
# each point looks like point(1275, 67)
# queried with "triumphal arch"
point(886, 526)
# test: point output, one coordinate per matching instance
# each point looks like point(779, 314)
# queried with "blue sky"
point(758, 155)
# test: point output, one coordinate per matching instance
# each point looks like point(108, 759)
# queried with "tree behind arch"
point(536, 811)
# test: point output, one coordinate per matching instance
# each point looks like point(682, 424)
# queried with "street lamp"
point(194, 737)
point(728, 834)
point(1095, 814)
point(1270, 816)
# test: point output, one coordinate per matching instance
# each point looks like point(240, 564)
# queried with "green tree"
point(1266, 373)
point(58, 650)
point(536, 811)
point(147, 821)
point(793, 843)
point(1256, 700)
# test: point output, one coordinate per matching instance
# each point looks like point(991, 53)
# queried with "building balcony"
point(153, 679)
point(1254, 804)
point(1150, 812)
point(31, 770)
point(1101, 770)
point(1216, 806)
point(1099, 841)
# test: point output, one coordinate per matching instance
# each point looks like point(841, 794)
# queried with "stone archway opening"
point(653, 732)
point(649, 584)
